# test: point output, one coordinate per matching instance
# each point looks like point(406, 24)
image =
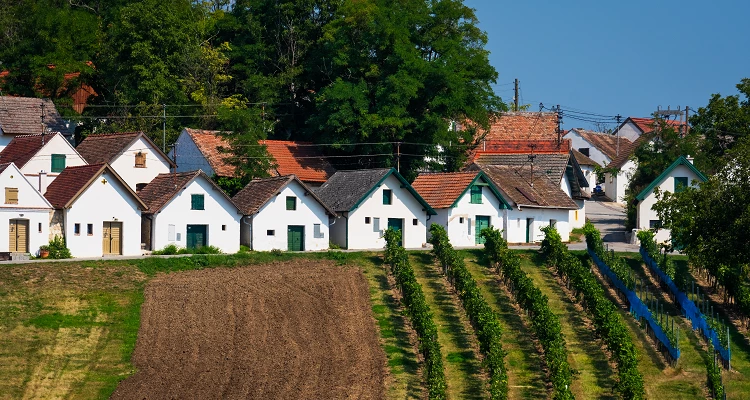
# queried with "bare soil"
point(293, 330)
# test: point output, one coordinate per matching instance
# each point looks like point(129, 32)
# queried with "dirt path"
point(463, 368)
point(301, 329)
point(526, 379)
point(595, 377)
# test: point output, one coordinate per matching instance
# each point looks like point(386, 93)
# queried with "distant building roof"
point(164, 187)
point(260, 191)
point(444, 189)
point(627, 152)
point(583, 159)
point(346, 190)
point(519, 186)
point(523, 125)
point(72, 181)
point(604, 142)
point(105, 147)
point(209, 143)
point(23, 148)
point(23, 116)
point(550, 165)
point(647, 125)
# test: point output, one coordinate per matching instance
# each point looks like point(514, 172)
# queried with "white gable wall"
point(189, 158)
point(32, 207)
point(42, 161)
point(275, 217)
point(577, 218)
point(219, 214)
point(616, 184)
point(460, 221)
point(124, 164)
point(629, 130)
point(645, 212)
point(578, 142)
point(517, 223)
point(404, 206)
point(98, 203)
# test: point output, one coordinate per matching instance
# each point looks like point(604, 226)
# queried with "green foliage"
point(609, 325)
point(172, 249)
point(616, 264)
point(484, 320)
point(715, 385)
point(545, 323)
point(168, 250)
point(58, 249)
point(419, 313)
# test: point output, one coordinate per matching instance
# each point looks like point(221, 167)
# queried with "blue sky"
point(607, 57)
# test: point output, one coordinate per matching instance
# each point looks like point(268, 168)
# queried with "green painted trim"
point(679, 161)
point(489, 184)
point(404, 184)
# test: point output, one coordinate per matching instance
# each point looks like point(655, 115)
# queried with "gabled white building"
point(188, 210)
point(41, 158)
point(24, 213)
point(370, 201)
point(132, 154)
point(30, 116)
point(283, 213)
point(465, 202)
point(96, 211)
point(676, 178)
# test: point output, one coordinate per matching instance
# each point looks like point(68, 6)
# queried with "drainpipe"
point(346, 230)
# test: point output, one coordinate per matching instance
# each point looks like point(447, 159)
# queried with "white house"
point(41, 158)
point(599, 147)
point(465, 202)
point(188, 210)
point(370, 201)
point(621, 170)
point(588, 168)
point(24, 213)
point(96, 212)
point(201, 149)
point(633, 128)
point(283, 213)
point(132, 154)
point(678, 176)
point(535, 201)
point(30, 116)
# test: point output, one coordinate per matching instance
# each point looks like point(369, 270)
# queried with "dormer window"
point(140, 159)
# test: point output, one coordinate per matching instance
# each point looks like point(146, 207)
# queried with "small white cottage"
point(370, 201)
point(96, 212)
point(30, 116)
point(24, 214)
point(283, 213)
point(132, 154)
point(465, 202)
point(678, 176)
point(188, 210)
point(41, 158)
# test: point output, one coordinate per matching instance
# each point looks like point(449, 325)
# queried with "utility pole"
point(42, 117)
point(559, 126)
point(398, 157)
point(531, 160)
point(164, 128)
point(515, 99)
point(687, 114)
point(617, 132)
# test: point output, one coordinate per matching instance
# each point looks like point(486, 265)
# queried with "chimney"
point(689, 158)
point(42, 182)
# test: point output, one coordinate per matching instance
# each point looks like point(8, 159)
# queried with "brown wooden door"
point(112, 238)
point(19, 235)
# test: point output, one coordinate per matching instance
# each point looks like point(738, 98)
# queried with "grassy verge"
point(463, 369)
point(526, 379)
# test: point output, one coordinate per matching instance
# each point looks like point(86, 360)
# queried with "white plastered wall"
point(42, 160)
point(31, 207)
point(219, 215)
point(516, 231)
point(275, 217)
point(577, 142)
point(124, 164)
point(100, 202)
point(461, 220)
point(616, 184)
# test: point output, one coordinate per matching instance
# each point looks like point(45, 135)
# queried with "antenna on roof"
point(44, 114)
point(531, 160)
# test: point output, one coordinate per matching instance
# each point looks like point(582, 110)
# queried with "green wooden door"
point(529, 230)
point(196, 236)
point(397, 224)
point(295, 238)
point(480, 222)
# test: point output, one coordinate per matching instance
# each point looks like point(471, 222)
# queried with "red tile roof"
point(646, 125)
point(66, 188)
point(23, 147)
point(164, 187)
point(105, 147)
point(583, 159)
point(259, 191)
point(627, 152)
point(523, 125)
point(606, 143)
point(297, 158)
point(440, 190)
point(518, 184)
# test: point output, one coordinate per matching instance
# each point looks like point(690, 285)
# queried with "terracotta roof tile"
point(23, 147)
point(208, 143)
point(259, 191)
point(583, 159)
point(73, 180)
point(627, 152)
point(22, 116)
point(516, 184)
point(164, 187)
point(440, 190)
point(105, 147)
point(606, 143)
point(646, 125)
point(523, 125)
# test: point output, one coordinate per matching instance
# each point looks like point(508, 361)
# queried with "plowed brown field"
point(296, 330)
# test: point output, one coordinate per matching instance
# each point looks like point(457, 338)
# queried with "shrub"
point(58, 249)
point(168, 250)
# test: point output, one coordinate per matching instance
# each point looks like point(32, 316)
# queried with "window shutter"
point(58, 163)
point(468, 225)
point(196, 202)
point(170, 233)
point(140, 159)
point(476, 194)
point(11, 195)
point(317, 233)
point(680, 183)
point(291, 203)
point(387, 196)
point(376, 224)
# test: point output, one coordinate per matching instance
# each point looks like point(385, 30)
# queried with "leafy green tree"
point(724, 123)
